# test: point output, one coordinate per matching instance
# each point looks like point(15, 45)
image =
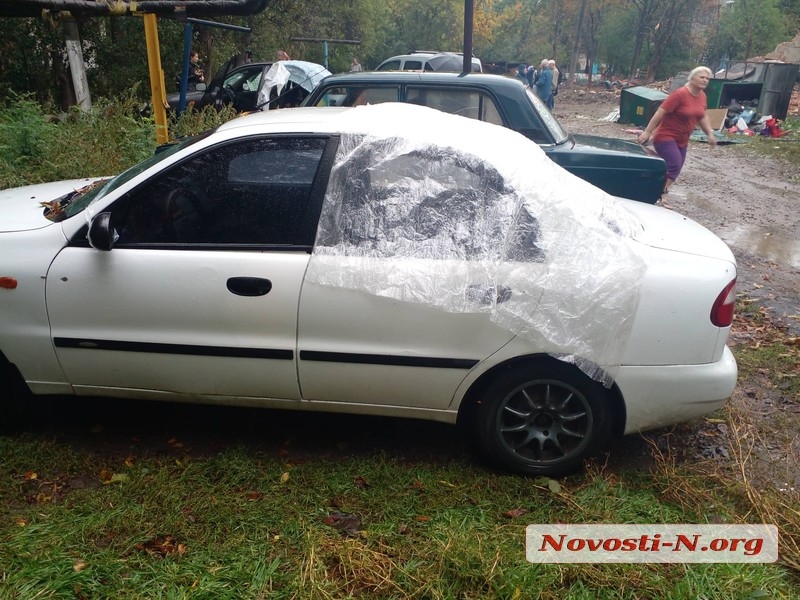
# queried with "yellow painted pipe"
point(157, 88)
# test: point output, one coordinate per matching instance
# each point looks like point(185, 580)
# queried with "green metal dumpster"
point(721, 92)
point(767, 86)
point(638, 104)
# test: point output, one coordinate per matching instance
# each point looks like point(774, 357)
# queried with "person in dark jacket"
point(544, 83)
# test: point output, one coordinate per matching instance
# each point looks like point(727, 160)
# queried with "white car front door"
point(198, 298)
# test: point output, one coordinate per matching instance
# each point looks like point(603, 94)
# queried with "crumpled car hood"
point(21, 209)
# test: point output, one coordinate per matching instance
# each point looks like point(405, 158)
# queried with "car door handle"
point(249, 286)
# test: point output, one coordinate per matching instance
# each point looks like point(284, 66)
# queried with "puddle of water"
point(778, 245)
point(775, 244)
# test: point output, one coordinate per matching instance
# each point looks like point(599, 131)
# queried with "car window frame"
point(311, 213)
point(484, 94)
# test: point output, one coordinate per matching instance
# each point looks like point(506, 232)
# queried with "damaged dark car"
point(619, 167)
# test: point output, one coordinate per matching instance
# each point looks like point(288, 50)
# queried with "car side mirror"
point(200, 87)
point(101, 235)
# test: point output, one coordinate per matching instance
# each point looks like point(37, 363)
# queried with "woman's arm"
point(705, 125)
point(651, 126)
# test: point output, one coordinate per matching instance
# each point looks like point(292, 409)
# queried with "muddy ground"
point(750, 201)
point(753, 203)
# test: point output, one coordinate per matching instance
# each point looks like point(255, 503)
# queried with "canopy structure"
point(162, 8)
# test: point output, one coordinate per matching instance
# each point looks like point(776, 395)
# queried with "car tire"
point(543, 418)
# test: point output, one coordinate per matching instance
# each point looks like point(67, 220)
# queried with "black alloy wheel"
point(544, 418)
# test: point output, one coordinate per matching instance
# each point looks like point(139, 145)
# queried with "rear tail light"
point(722, 311)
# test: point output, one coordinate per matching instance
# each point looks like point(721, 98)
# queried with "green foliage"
point(36, 147)
point(26, 137)
point(749, 28)
point(196, 121)
point(616, 43)
point(33, 63)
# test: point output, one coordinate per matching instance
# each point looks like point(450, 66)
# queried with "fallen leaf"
point(79, 566)
point(551, 484)
point(347, 523)
point(162, 545)
point(423, 518)
point(21, 521)
point(403, 529)
point(515, 512)
point(129, 461)
point(253, 496)
point(360, 482)
point(285, 477)
point(105, 476)
point(119, 478)
point(29, 475)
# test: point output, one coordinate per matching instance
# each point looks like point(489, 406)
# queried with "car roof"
point(311, 120)
point(431, 77)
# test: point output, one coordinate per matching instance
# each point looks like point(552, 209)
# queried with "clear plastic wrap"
point(469, 217)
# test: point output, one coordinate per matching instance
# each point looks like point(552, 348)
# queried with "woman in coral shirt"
point(675, 120)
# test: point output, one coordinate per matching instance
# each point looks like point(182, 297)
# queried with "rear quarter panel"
point(672, 325)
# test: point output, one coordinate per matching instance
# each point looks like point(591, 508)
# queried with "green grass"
point(244, 523)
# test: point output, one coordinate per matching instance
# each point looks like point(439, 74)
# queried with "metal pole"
point(469, 12)
point(573, 65)
point(325, 53)
point(187, 50)
point(159, 97)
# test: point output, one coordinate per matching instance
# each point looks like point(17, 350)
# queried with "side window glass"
point(457, 102)
point(251, 192)
point(358, 96)
point(412, 65)
point(489, 112)
point(392, 65)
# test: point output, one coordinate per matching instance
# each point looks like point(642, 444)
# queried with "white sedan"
point(386, 260)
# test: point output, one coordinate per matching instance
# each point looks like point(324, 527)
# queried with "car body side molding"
point(190, 349)
point(389, 359)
